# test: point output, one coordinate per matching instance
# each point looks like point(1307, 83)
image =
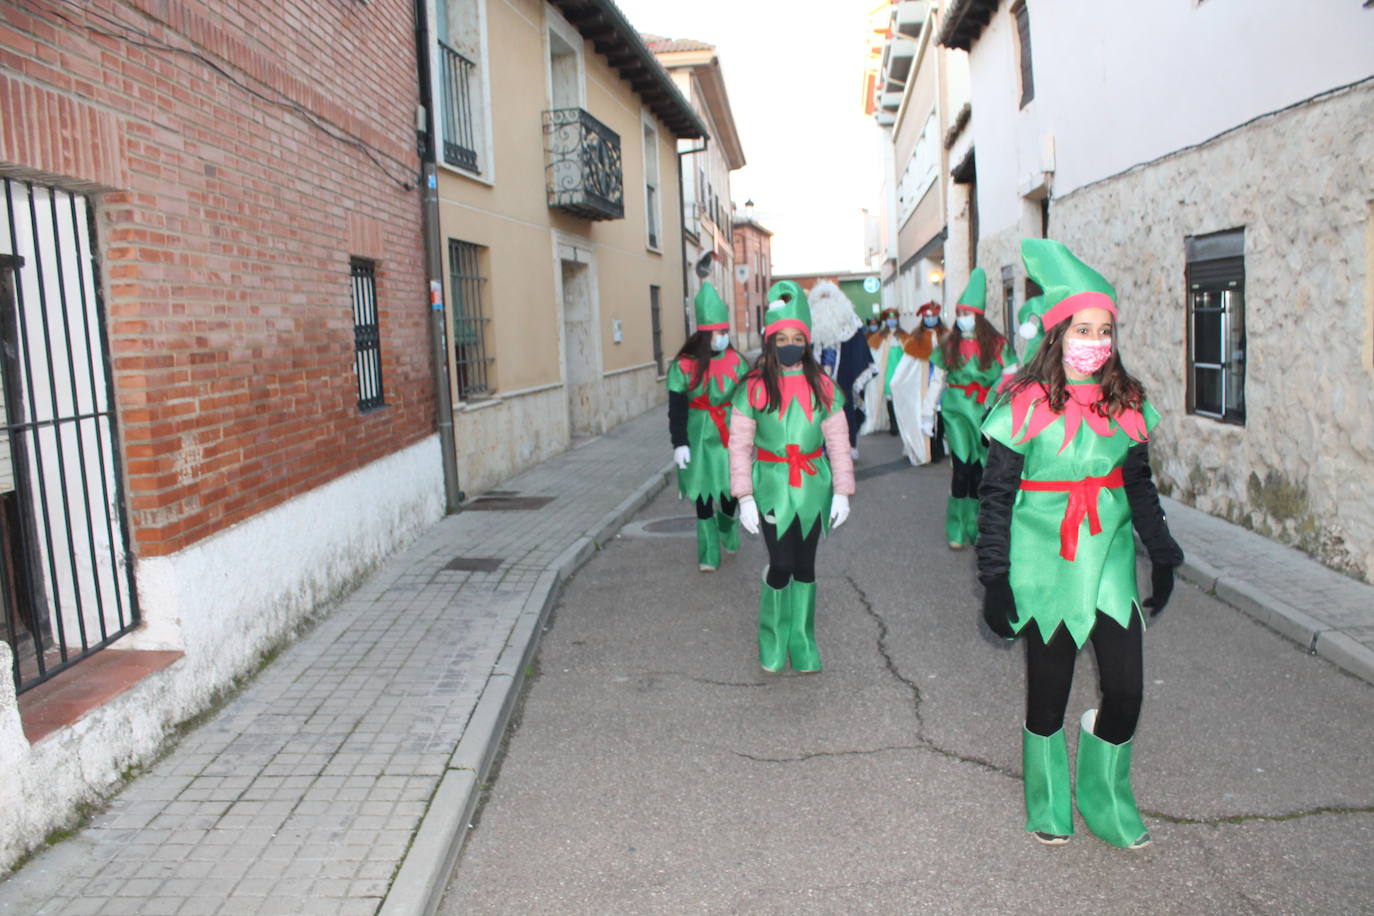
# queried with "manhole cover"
point(474, 564)
point(678, 524)
point(507, 503)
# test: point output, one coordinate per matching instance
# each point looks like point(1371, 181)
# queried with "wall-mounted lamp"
point(935, 276)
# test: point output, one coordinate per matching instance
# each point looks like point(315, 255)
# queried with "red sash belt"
point(1082, 503)
point(797, 463)
point(703, 402)
point(976, 390)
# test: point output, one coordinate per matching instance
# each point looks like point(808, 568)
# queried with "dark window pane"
point(1207, 344)
point(1207, 390)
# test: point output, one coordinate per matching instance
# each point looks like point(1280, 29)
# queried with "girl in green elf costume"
point(701, 385)
point(800, 480)
point(969, 365)
point(1069, 451)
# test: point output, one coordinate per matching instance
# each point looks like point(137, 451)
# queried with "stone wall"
point(1301, 183)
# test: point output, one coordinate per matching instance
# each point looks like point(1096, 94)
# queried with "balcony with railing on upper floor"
point(583, 173)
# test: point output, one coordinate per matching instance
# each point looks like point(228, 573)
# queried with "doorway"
point(581, 345)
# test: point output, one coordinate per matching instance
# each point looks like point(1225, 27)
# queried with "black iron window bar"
point(66, 576)
point(460, 127)
point(367, 342)
point(583, 168)
point(469, 319)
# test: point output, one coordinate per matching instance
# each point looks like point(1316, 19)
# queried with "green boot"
point(774, 625)
point(954, 523)
point(1049, 804)
point(801, 643)
point(729, 532)
point(708, 545)
point(970, 514)
point(1104, 791)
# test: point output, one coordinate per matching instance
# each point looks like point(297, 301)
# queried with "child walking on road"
point(701, 386)
point(800, 481)
point(1069, 450)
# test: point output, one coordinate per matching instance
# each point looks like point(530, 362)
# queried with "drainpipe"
point(682, 232)
point(434, 263)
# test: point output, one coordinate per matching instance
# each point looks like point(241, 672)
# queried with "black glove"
point(999, 606)
point(1161, 587)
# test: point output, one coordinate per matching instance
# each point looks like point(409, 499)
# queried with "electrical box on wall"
point(617, 334)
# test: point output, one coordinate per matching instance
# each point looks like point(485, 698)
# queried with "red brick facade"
point(753, 249)
point(239, 153)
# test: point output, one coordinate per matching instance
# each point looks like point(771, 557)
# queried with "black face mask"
point(790, 354)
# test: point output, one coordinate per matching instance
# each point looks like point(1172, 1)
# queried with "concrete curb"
point(423, 876)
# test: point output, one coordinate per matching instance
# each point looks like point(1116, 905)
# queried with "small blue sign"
point(871, 284)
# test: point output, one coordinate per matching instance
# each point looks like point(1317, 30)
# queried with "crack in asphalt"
point(815, 754)
point(888, 661)
point(1245, 818)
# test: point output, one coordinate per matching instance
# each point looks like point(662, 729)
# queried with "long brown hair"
point(768, 370)
point(698, 349)
point(988, 342)
point(1120, 390)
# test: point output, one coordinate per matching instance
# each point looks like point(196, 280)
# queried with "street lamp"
point(935, 277)
point(749, 210)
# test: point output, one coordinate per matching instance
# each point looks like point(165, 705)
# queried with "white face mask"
point(966, 323)
point(719, 342)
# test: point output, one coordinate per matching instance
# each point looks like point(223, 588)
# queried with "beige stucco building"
point(561, 235)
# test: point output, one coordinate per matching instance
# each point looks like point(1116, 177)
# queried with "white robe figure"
point(833, 321)
point(908, 385)
point(875, 403)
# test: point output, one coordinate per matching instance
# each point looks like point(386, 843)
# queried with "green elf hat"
point(975, 295)
point(1069, 284)
point(1031, 317)
point(787, 308)
point(712, 312)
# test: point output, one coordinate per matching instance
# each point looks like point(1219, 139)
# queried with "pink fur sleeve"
point(836, 431)
point(742, 454)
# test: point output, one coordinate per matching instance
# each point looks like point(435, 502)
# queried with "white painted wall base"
point(226, 602)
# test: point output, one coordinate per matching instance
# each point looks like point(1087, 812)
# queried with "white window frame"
point(557, 25)
point(486, 158)
point(653, 214)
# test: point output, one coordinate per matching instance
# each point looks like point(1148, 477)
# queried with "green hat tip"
point(1060, 273)
point(975, 294)
point(711, 310)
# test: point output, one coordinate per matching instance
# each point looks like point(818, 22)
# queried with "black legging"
point(1121, 677)
point(705, 510)
point(791, 556)
point(968, 475)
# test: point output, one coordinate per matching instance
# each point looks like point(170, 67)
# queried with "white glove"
point(839, 509)
point(749, 514)
point(682, 455)
point(928, 425)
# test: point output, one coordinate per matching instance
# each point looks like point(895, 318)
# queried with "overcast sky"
point(794, 71)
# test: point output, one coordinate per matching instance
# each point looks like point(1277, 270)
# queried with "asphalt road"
point(654, 768)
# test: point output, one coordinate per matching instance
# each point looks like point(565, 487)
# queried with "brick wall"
point(223, 141)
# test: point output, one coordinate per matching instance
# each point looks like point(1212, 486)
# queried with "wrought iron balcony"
point(460, 135)
point(583, 172)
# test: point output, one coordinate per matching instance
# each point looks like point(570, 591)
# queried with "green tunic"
point(794, 428)
point(707, 475)
point(963, 408)
point(1050, 589)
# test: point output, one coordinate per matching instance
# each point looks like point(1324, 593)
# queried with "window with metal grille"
point(1216, 326)
point(657, 325)
point(1023, 51)
point(66, 576)
point(469, 319)
point(367, 341)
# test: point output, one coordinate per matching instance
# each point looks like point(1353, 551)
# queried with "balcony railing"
point(460, 134)
point(583, 172)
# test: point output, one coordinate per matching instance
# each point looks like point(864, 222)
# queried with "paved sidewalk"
point(1330, 614)
point(341, 781)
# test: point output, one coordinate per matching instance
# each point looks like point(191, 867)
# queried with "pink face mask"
point(1087, 356)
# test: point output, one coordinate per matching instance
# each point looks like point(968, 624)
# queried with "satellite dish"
point(742, 273)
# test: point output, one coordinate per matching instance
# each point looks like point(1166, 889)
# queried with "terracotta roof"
point(660, 45)
point(603, 24)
